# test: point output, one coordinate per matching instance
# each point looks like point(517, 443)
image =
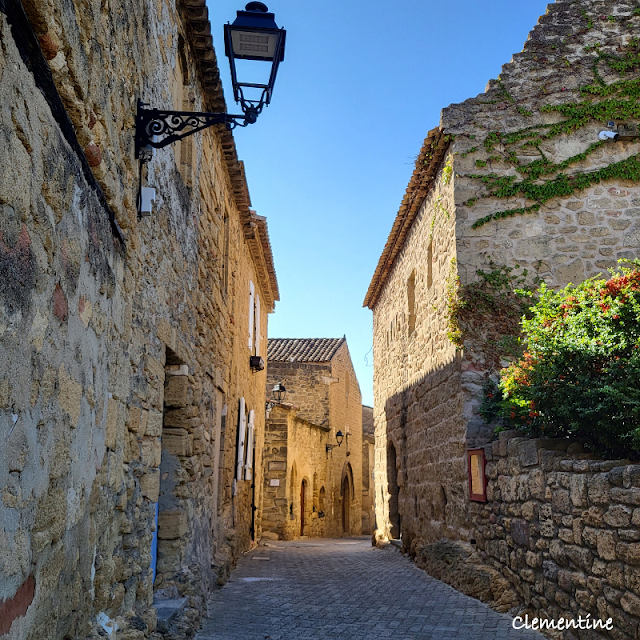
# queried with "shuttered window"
point(257, 324)
point(251, 313)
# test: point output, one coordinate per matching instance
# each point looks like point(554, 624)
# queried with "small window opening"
point(411, 299)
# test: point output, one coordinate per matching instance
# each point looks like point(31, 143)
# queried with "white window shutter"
point(258, 336)
point(248, 467)
point(251, 313)
point(242, 433)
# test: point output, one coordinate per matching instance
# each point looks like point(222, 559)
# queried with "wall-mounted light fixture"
point(279, 392)
point(254, 35)
point(256, 363)
point(339, 438)
point(620, 132)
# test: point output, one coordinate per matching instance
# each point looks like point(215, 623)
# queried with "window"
point(258, 337)
point(255, 339)
point(252, 293)
point(225, 265)
point(411, 299)
point(184, 149)
point(241, 438)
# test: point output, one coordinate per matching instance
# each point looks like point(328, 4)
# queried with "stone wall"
point(124, 340)
point(296, 451)
point(562, 239)
point(420, 470)
point(568, 238)
point(427, 393)
point(345, 414)
point(295, 461)
point(563, 529)
point(368, 475)
point(307, 385)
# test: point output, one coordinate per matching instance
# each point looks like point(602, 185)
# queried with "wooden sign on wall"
point(477, 479)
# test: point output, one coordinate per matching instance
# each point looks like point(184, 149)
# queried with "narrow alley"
point(323, 588)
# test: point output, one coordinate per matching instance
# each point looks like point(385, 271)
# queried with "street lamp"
point(253, 35)
point(339, 438)
point(279, 392)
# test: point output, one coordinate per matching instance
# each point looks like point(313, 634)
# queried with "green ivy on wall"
point(543, 179)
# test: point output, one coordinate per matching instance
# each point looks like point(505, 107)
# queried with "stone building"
point(312, 486)
point(518, 177)
point(368, 475)
point(124, 342)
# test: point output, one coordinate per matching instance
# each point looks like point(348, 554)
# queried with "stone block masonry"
point(563, 529)
point(514, 178)
point(307, 490)
point(124, 343)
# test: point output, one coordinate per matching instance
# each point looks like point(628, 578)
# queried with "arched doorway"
point(347, 494)
point(302, 492)
point(392, 480)
point(346, 504)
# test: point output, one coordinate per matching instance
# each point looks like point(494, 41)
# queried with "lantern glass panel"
point(254, 44)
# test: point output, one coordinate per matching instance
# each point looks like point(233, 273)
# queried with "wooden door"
point(346, 504)
point(302, 509)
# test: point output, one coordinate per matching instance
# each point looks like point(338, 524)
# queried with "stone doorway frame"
point(393, 491)
point(303, 490)
point(346, 481)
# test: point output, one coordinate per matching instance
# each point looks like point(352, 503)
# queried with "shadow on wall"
point(424, 481)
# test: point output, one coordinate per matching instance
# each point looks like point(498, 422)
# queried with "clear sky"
point(329, 160)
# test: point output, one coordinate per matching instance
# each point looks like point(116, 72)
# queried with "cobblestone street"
point(344, 588)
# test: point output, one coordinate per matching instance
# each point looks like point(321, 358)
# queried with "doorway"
point(346, 504)
point(392, 480)
point(302, 491)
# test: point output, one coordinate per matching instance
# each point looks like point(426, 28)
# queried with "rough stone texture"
point(427, 393)
point(558, 532)
point(323, 398)
point(368, 474)
point(418, 398)
point(124, 342)
point(295, 457)
point(569, 238)
point(320, 589)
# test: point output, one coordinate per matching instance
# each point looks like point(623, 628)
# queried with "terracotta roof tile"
point(303, 349)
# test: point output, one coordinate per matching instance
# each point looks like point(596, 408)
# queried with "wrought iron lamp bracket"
point(156, 128)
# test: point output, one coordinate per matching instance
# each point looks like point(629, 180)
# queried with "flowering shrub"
point(580, 374)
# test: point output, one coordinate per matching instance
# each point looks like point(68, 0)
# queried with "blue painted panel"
point(154, 547)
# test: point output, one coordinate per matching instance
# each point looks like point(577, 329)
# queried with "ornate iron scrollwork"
point(157, 128)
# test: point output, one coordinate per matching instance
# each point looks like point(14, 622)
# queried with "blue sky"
point(329, 160)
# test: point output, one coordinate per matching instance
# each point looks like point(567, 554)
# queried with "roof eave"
point(199, 35)
point(431, 155)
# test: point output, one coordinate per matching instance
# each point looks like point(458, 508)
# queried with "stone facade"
point(563, 529)
point(368, 474)
point(302, 480)
point(454, 220)
point(419, 431)
point(294, 495)
point(125, 342)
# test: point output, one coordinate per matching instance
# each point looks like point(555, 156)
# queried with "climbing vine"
point(488, 311)
point(542, 179)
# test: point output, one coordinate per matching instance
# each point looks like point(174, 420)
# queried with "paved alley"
point(344, 588)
